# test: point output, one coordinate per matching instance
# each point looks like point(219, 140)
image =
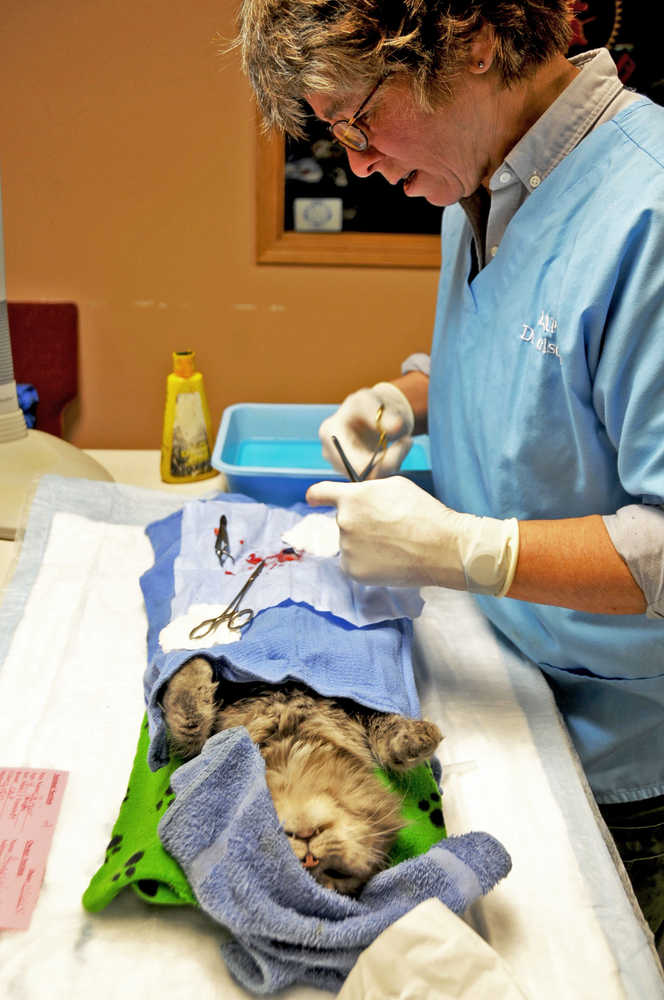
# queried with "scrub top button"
point(535, 181)
point(505, 177)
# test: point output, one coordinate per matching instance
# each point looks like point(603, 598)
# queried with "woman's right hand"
point(358, 424)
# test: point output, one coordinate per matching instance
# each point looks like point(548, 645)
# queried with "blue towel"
point(285, 928)
point(371, 665)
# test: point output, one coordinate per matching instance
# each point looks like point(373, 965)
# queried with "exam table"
point(72, 653)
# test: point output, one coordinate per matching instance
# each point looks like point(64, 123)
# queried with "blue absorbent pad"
point(283, 928)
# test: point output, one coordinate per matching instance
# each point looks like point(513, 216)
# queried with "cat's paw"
point(189, 707)
point(401, 743)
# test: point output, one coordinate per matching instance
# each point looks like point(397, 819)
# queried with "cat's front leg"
point(189, 707)
point(400, 743)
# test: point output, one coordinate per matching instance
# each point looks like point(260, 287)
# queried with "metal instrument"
point(352, 474)
point(234, 616)
point(379, 451)
point(221, 542)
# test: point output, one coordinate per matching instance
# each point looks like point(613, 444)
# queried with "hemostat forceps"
point(352, 474)
point(234, 616)
point(376, 457)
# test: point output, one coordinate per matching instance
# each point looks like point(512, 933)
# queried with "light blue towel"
point(285, 928)
point(255, 532)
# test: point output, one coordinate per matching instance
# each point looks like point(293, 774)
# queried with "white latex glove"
point(354, 424)
point(391, 532)
point(439, 956)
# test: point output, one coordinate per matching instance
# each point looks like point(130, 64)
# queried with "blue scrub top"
point(546, 401)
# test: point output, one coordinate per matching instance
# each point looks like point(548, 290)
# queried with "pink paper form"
point(30, 801)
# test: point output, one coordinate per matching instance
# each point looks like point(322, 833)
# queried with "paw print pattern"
point(432, 805)
point(129, 869)
point(113, 846)
point(167, 798)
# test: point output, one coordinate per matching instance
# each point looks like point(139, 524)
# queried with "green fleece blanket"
point(135, 857)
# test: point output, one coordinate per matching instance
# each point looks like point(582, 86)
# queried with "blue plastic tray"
point(271, 451)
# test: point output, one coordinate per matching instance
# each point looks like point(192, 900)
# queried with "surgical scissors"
point(235, 617)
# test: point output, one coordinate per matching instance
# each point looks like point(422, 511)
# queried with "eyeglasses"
point(348, 133)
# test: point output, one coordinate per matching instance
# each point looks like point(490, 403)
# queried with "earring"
point(480, 64)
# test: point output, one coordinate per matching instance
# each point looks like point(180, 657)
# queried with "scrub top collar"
point(594, 95)
point(564, 124)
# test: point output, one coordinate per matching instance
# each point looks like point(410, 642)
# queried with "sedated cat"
point(320, 755)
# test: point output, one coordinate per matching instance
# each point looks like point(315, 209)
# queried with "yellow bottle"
point(186, 444)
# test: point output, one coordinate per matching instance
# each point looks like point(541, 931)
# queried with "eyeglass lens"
point(349, 135)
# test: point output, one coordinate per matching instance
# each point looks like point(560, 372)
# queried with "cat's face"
point(340, 821)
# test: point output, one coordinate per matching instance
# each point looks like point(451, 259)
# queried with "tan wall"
point(127, 162)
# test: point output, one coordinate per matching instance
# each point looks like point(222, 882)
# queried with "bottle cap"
point(183, 363)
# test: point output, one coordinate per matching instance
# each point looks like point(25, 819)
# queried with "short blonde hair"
point(291, 48)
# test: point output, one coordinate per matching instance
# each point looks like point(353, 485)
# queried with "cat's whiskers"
point(369, 836)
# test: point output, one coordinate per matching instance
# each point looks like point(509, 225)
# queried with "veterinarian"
point(543, 394)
